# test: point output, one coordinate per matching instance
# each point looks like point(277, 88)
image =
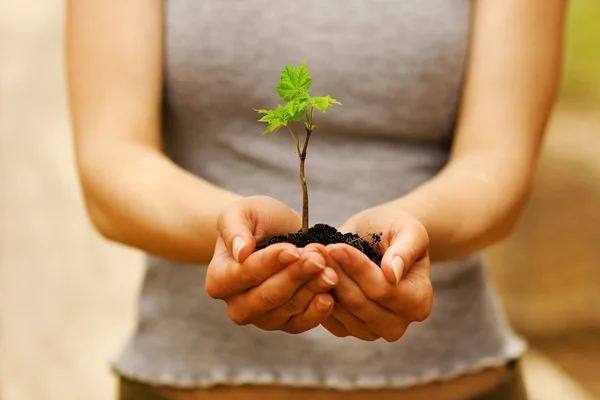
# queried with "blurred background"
point(67, 297)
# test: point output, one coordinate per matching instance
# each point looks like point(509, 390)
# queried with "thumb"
point(408, 245)
point(251, 220)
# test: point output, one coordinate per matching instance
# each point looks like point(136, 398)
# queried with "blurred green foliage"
point(581, 79)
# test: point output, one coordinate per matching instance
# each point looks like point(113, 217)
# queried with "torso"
point(397, 67)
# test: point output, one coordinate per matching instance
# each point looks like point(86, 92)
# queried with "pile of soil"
point(325, 234)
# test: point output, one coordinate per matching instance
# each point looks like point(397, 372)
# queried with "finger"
point(253, 220)
point(335, 327)
point(409, 300)
point(408, 245)
point(321, 283)
point(275, 291)
point(358, 267)
point(226, 277)
point(356, 296)
point(319, 310)
point(416, 291)
point(354, 325)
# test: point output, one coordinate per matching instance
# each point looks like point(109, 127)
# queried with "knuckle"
point(336, 331)
point(250, 276)
point(269, 325)
point(303, 324)
point(394, 334)
point(238, 316)
point(318, 247)
point(422, 303)
point(295, 329)
point(423, 313)
point(295, 275)
point(213, 288)
point(292, 329)
point(311, 324)
point(313, 318)
point(353, 302)
point(317, 285)
point(213, 284)
point(272, 298)
point(294, 307)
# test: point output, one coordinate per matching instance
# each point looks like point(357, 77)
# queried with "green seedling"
point(299, 105)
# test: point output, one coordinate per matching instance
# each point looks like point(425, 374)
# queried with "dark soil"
point(325, 234)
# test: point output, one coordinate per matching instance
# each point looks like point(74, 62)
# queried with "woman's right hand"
point(280, 287)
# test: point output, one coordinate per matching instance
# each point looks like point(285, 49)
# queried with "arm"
point(137, 196)
point(476, 199)
point(134, 194)
point(510, 88)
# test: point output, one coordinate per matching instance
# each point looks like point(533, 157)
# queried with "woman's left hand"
point(373, 302)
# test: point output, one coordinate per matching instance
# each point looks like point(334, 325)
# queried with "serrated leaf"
point(323, 102)
point(297, 108)
point(274, 118)
point(294, 81)
point(299, 115)
point(302, 100)
point(293, 87)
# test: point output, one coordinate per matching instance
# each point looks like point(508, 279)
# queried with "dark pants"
point(513, 388)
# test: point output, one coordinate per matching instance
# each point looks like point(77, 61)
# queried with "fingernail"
point(328, 281)
point(338, 253)
point(397, 267)
point(323, 304)
point(238, 245)
point(310, 261)
point(286, 257)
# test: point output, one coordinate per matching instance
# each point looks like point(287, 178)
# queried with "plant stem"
point(295, 137)
point(304, 186)
point(304, 197)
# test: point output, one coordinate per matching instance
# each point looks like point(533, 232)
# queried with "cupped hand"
point(278, 288)
point(373, 302)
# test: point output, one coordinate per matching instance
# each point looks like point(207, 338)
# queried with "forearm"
point(468, 206)
point(138, 197)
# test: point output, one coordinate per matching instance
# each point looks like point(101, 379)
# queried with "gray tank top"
point(397, 67)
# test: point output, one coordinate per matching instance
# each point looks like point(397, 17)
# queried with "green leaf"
point(293, 87)
point(274, 118)
point(302, 100)
point(294, 82)
point(323, 103)
point(299, 115)
point(297, 108)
